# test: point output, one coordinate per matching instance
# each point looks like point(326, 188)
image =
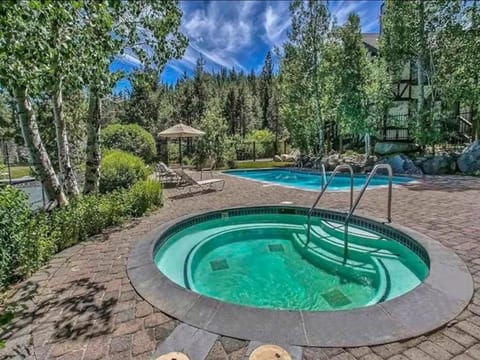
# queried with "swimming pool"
point(311, 180)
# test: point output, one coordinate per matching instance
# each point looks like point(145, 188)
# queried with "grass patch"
point(16, 171)
point(261, 164)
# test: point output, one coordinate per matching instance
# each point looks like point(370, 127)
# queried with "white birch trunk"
point(69, 179)
point(38, 153)
point(420, 64)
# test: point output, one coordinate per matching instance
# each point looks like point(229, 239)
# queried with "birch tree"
point(456, 57)
point(301, 80)
point(145, 29)
point(410, 33)
point(25, 55)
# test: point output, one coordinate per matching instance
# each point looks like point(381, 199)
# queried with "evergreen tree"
point(200, 91)
point(266, 79)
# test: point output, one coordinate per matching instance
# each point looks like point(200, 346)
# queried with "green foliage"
point(353, 63)
point(120, 170)
point(144, 196)
point(378, 93)
point(261, 164)
point(301, 83)
point(14, 213)
point(264, 142)
point(130, 138)
point(29, 239)
point(212, 144)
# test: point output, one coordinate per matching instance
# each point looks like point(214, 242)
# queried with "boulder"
point(469, 159)
point(388, 148)
point(439, 165)
point(401, 165)
point(287, 158)
point(332, 161)
point(277, 158)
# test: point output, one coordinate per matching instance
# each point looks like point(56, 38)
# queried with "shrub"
point(264, 142)
point(14, 215)
point(120, 170)
point(29, 239)
point(131, 138)
point(143, 196)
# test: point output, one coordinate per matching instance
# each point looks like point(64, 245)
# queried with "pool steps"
point(359, 266)
point(366, 249)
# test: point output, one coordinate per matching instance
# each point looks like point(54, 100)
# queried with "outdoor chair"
point(211, 168)
point(165, 174)
point(187, 182)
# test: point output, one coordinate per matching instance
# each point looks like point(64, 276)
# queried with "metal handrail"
point(323, 175)
point(359, 197)
point(324, 188)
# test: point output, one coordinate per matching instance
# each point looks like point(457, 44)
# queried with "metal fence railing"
point(243, 150)
point(15, 171)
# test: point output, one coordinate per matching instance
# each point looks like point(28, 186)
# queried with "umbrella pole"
point(180, 150)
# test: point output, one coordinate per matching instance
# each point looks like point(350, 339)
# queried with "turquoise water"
point(261, 261)
point(311, 181)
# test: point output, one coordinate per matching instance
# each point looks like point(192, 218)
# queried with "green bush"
point(28, 239)
point(131, 138)
point(14, 215)
point(120, 170)
point(264, 142)
point(143, 196)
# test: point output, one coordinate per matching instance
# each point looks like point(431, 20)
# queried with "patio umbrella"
point(180, 131)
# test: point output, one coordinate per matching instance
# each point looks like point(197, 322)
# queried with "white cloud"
point(276, 23)
point(129, 60)
point(234, 33)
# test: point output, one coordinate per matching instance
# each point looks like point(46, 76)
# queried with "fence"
point(243, 150)
point(254, 150)
point(15, 171)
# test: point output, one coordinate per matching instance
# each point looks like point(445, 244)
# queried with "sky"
point(239, 33)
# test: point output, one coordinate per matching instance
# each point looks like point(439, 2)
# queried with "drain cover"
point(219, 264)
point(336, 298)
point(275, 248)
point(270, 352)
point(173, 356)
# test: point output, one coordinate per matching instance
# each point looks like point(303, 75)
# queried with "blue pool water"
point(311, 181)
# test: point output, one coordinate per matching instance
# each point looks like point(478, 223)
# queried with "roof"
point(371, 42)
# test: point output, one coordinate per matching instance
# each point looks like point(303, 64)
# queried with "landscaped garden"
point(203, 215)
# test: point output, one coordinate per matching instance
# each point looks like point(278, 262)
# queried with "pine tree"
point(266, 79)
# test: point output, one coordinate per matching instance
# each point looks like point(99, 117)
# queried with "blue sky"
point(229, 33)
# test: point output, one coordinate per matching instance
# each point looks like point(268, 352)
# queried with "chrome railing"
point(359, 197)
point(323, 175)
point(324, 188)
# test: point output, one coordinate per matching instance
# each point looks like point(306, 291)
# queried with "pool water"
point(261, 261)
point(311, 181)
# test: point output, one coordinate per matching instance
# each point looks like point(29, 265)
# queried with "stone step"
point(295, 352)
point(186, 339)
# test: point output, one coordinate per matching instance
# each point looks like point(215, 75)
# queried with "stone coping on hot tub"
point(444, 293)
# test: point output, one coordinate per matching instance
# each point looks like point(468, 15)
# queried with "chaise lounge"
point(187, 182)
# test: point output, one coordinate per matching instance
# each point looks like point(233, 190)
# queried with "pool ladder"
point(353, 205)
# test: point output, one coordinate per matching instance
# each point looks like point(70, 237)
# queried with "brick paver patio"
point(82, 306)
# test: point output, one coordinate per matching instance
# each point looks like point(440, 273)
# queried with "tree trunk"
point(420, 64)
point(36, 148)
point(475, 123)
point(92, 168)
point(69, 179)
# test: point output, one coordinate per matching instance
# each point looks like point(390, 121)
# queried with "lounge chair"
point(165, 174)
point(210, 169)
point(187, 182)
